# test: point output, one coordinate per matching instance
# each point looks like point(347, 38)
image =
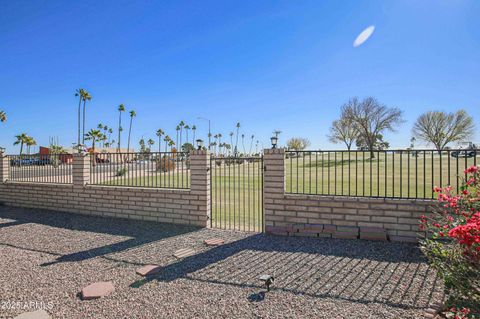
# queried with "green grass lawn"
point(172, 179)
point(236, 190)
point(355, 174)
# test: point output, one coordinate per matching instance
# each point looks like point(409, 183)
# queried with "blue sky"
point(285, 65)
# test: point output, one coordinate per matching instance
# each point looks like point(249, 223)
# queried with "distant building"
point(67, 157)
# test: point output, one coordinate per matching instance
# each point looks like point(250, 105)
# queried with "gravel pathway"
point(47, 257)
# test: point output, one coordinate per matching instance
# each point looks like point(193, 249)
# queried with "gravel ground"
point(47, 257)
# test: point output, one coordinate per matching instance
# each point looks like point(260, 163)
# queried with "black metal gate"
point(237, 193)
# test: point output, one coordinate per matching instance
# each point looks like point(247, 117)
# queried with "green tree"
point(132, 115)
point(86, 97)
point(80, 93)
point(160, 133)
point(187, 127)
point(171, 143)
point(298, 143)
point(343, 131)
point(370, 119)
point(182, 125)
point(251, 144)
point(379, 145)
point(150, 143)
point(243, 143)
point(236, 139)
point(110, 141)
point(187, 147)
point(30, 141)
point(167, 141)
point(121, 108)
point(194, 129)
point(22, 139)
point(94, 136)
point(219, 142)
point(231, 138)
point(440, 128)
point(178, 132)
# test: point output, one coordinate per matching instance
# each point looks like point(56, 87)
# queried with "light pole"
point(209, 131)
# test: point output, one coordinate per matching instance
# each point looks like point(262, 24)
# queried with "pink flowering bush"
point(459, 313)
point(452, 243)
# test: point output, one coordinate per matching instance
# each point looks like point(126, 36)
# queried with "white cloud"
point(363, 36)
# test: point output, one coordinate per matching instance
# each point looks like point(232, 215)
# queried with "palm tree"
point(167, 140)
point(178, 130)
point(150, 143)
point(220, 143)
point(94, 135)
point(231, 138)
point(105, 132)
point(171, 144)
point(251, 144)
point(30, 142)
point(121, 108)
point(227, 147)
point(181, 124)
point(236, 140)
point(21, 139)
point(110, 141)
point(3, 116)
point(86, 97)
point(215, 143)
point(159, 133)
point(132, 115)
point(80, 93)
point(209, 138)
point(186, 132)
point(194, 128)
point(243, 143)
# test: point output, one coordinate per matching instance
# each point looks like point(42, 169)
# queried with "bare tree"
point(370, 119)
point(298, 143)
point(343, 131)
point(440, 128)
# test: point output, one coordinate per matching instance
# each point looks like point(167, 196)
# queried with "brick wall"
point(178, 206)
point(288, 213)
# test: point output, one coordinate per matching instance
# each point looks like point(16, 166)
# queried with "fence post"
point(81, 169)
point(200, 183)
point(274, 182)
point(3, 168)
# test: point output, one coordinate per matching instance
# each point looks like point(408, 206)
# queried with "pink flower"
point(471, 169)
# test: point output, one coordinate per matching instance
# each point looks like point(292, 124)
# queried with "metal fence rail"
point(41, 168)
point(154, 170)
point(386, 174)
point(237, 193)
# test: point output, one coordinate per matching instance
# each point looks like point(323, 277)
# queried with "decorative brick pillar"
point(81, 169)
point(274, 183)
point(200, 184)
point(3, 168)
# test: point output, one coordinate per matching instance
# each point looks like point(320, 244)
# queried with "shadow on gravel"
point(395, 274)
point(141, 233)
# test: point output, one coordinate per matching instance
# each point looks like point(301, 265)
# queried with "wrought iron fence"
point(237, 193)
point(386, 174)
point(41, 168)
point(153, 169)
